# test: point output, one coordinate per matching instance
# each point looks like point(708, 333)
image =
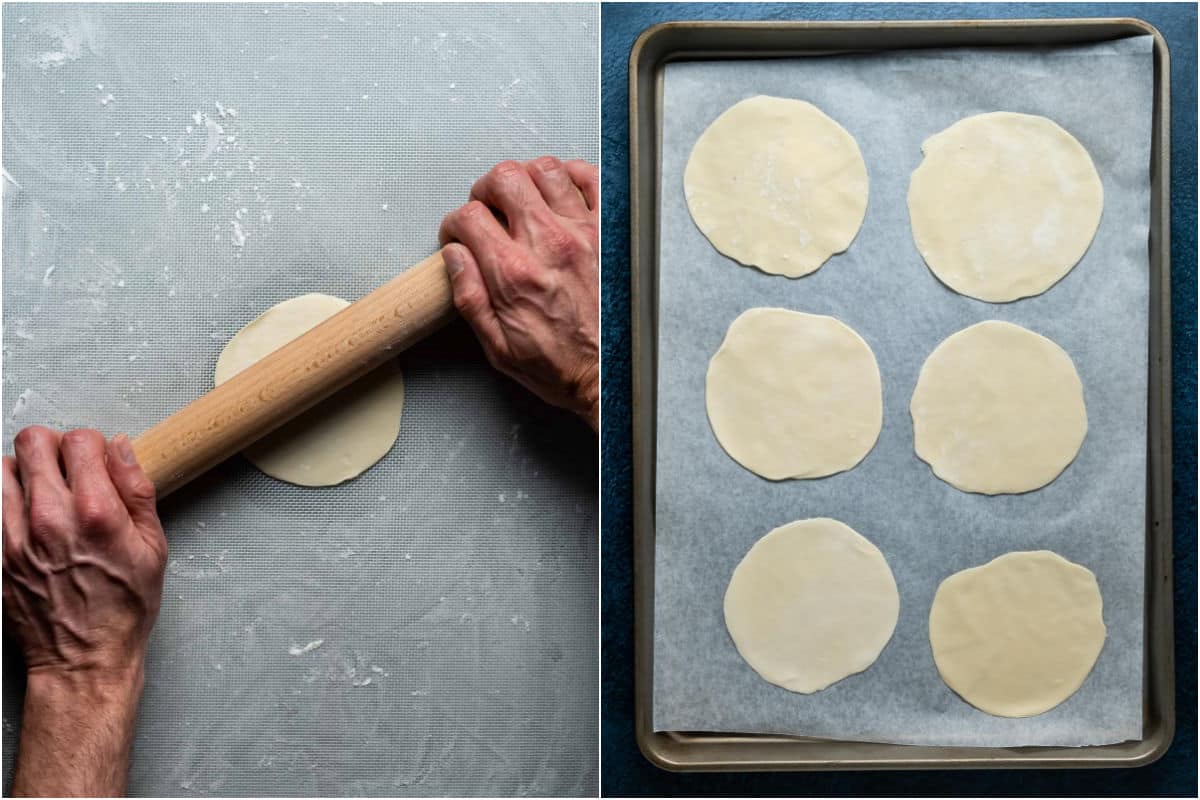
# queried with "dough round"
point(1004, 205)
point(998, 409)
point(776, 184)
point(1018, 635)
point(812, 602)
point(340, 437)
point(794, 395)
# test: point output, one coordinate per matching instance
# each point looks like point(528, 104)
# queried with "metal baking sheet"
point(429, 628)
point(719, 694)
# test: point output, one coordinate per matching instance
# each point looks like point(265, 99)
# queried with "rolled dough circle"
point(340, 437)
point(793, 395)
point(812, 602)
point(998, 409)
point(776, 184)
point(1004, 205)
point(1018, 635)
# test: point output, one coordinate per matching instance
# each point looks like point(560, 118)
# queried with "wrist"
point(77, 731)
point(100, 686)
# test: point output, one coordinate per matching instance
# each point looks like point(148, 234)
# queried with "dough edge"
point(724, 248)
point(998, 295)
point(811, 474)
point(940, 471)
point(970, 573)
point(853, 539)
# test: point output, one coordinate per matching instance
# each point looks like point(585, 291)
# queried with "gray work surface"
point(453, 585)
point(710, 511)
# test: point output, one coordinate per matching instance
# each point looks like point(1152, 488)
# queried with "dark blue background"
point(625, 771)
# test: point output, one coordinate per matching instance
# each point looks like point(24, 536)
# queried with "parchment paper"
point(710, 510)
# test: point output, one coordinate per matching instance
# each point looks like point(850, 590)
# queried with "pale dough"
point(1018, 635)
point(792, 395)
point(812, 602)
point(776, 184)
point(998, 409)
point(339, 438)
point(1004, 205)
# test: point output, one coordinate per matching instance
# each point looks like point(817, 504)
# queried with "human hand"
point(524, 262)
point(83, 553)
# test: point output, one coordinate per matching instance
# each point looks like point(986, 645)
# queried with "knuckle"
point(95, 513)
point(547, 164)
point(507, 173)
point(46, 520)
point(468, 301)
point(80, 437)
point(31, 436)
point(141, 489)
point(516, 270)
point(473, 213)
point(507, 168)
point(561, 245)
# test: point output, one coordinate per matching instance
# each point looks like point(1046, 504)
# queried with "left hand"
point(84, 553)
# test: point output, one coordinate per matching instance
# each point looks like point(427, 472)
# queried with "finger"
point(556, 186)
point(16, 521)
point(475, 226)
point(97, 503)
point(509, 188)
point(135, 489)
point(587, 178)
point(472, 300)
point(37, 449)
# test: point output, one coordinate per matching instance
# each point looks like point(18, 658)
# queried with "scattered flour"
point(214, 136)
point(70, 49)
point(296, 650)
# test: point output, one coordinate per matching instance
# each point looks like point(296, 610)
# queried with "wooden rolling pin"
point(297, 376)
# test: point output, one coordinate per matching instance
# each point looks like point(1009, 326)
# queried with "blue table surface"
point(625, 771)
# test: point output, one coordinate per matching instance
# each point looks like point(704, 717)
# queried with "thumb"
point(136, 490)
point(471, 298)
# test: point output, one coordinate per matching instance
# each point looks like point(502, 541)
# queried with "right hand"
point(524, 263)
point(84, 553)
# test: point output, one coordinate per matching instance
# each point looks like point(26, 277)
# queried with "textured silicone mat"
point(170, 171)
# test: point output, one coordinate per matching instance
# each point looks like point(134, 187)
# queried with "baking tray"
point(682, 41)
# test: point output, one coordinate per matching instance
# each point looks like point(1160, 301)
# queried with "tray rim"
point(682, 751)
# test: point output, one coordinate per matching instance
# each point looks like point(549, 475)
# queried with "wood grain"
point(297, 376)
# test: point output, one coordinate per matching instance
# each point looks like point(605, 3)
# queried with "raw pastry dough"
point(1018, 635)
point(1004, 205)
point(998, 409)
point(794, 395)
point(776, 184)
point(812, 602)
point(340, 437)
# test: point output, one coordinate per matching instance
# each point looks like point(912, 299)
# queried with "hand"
point(523, 259)
point(84, 553)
